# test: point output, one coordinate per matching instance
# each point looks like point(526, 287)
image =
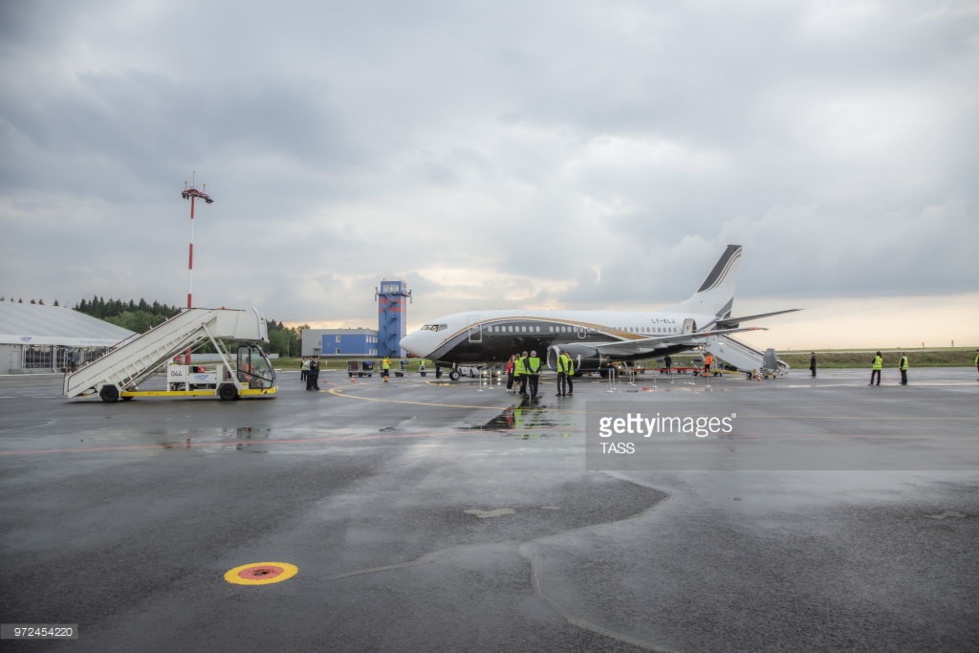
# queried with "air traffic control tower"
point(392, 316)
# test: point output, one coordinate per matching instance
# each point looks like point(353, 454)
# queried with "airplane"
point(594, 339)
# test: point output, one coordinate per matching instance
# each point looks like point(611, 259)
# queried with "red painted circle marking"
point(260, 573)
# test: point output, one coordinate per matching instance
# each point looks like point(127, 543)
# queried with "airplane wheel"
point(454, 375)
point(228, 392)
point(109, 394)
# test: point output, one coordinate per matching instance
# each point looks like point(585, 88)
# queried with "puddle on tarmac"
point(527, 422)
point(251, 439)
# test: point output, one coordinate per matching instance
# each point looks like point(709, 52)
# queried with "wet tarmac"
point(423, 516)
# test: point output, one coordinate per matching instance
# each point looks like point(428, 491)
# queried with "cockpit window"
point(434, 327)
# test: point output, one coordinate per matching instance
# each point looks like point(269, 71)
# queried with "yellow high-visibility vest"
point(518, 367)
point(878, 363)
point(565, 364)
point(534, 365)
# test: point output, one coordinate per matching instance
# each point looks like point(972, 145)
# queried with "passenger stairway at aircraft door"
point(743, 357)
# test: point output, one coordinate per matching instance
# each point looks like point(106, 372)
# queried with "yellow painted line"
point(261, 573)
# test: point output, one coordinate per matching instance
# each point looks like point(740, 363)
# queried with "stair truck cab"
point(120, 373)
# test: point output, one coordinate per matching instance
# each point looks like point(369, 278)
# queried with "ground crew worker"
point(977, 362)
point(562, 373)
point(875, 370)
point(386, 368)
point(509, 373)
point(565, 372)
point(533, 366)
point(812, 364)
point(903, 366)
point(569, 368)
point(708, 361)
point(313, 375)
point(520, 372)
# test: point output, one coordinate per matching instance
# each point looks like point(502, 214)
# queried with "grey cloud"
point(584, 154)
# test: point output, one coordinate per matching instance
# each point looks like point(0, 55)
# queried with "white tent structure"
point(39, 338)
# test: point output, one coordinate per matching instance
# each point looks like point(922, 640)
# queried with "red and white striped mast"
point(192, 194)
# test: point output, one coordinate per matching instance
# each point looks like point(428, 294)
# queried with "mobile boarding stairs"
point(746, 359)
point(118, 373)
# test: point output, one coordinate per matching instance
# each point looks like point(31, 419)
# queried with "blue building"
point(392, 317)
point(339, 342)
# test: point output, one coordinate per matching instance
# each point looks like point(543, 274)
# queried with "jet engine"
point(585, 358)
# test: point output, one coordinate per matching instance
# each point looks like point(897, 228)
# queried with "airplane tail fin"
point(716, 294)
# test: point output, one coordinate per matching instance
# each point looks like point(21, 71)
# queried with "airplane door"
point(689, 325)
point(581, 331)
point(475, 329)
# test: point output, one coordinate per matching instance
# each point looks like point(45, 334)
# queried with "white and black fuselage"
point(591, 338)
point(493, 336)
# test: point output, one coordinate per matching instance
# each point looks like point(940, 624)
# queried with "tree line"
point(141, 316)
point(39, 302)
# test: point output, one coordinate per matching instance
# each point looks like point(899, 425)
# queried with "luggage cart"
point(360, 368)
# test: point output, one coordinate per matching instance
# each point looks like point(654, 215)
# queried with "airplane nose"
point(410, 343)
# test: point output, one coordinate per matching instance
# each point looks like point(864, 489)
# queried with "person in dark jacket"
point(313, 375)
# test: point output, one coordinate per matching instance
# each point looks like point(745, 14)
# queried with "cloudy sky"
point(500, 154)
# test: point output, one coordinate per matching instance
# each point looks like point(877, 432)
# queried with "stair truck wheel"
point(109, 394)
point(228, 392)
